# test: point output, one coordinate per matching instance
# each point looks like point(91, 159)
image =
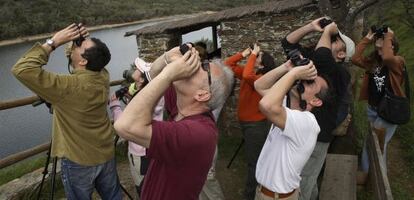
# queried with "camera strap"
point(69, 62)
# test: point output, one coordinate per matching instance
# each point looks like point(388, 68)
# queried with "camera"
point(79, 41)
point(121, 92)
point(184, 47)
point(324, 22)
point(251, 46)
point(127, 74)
point(294, 56)
point(379, 32)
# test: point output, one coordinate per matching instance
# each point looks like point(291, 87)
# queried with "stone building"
point(266, 24)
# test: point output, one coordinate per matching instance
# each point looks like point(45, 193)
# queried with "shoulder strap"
point(406, 83)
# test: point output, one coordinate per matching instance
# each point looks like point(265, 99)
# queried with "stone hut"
point(266, 24)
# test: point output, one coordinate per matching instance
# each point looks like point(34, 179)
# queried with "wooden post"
point(214, 32)
point(377, 169)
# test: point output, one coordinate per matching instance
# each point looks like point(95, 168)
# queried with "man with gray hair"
point(182, 149)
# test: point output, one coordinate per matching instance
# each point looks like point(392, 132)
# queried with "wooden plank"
point(377, 170)
point(339, 179)
point(9, 160)
point(29, 100)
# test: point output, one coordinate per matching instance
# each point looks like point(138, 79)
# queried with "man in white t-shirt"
point(293, 134)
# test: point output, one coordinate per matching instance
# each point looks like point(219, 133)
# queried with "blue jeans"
point(79, 181)
point(377, 122)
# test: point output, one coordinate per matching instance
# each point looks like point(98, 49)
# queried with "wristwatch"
point(51, 43)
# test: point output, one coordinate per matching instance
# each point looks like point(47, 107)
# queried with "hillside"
point(23, 17)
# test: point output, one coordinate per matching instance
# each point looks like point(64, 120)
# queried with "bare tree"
point(344, 11)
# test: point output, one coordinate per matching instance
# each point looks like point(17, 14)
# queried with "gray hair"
point(221, 85)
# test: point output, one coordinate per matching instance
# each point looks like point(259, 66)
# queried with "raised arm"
point(390, 60)
point(358, 58)
point(135, 122)
point(232, 62)
point(271, 105)
point(295, 36)
point(28, 69)
point(264, 83)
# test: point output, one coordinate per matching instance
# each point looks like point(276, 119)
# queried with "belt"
point(272, 194)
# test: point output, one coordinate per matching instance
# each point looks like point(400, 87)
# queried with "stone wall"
point(152, 46)
point(267, 30)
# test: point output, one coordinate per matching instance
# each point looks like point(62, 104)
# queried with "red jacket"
point(248, 108)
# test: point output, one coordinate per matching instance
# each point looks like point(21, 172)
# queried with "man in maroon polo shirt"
point(181, 150)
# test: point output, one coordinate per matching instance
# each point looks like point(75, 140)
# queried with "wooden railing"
point(12, 159)
point(378, 179)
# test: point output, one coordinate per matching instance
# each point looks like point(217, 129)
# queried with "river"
point(25, 127)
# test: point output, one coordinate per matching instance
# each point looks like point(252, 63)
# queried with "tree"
point(343, 11)
point(409, 10)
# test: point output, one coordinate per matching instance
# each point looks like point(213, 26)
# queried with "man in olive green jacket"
point(82, 131)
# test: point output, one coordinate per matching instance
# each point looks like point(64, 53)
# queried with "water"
point(25, 127)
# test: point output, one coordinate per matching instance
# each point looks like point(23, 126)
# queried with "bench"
point(339, 179)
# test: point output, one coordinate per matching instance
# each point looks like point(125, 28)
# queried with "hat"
point(350, 46)
point(143, 67)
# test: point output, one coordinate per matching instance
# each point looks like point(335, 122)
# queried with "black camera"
point(294, 56)
point(184, 47)
point(127, 74)
point(324, 22)
point(379, 32)
point(251, 46)
point(121, 92)
point(79, 41)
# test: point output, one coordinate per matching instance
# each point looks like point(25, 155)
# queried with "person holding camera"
point(332, 51)
point(382, 67)
point(290, 96)
point(253, 123)
point(181, 149)
point(138, 163)
point(82, 133)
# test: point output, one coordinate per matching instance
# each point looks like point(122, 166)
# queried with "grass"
point(17, 170)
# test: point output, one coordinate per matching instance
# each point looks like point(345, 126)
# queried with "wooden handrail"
point(377, 169)
point(10, 160)
point(29, 100)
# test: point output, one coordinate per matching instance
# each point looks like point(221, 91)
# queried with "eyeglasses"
point(205, 65)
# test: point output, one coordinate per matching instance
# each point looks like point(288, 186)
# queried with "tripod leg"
point(52, 192)
point(125, 191)
point(45, 171)
point(235, 153)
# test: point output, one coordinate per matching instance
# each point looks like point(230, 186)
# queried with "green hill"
point(26, 17)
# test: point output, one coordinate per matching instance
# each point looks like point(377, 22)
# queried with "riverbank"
point(100, 27)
